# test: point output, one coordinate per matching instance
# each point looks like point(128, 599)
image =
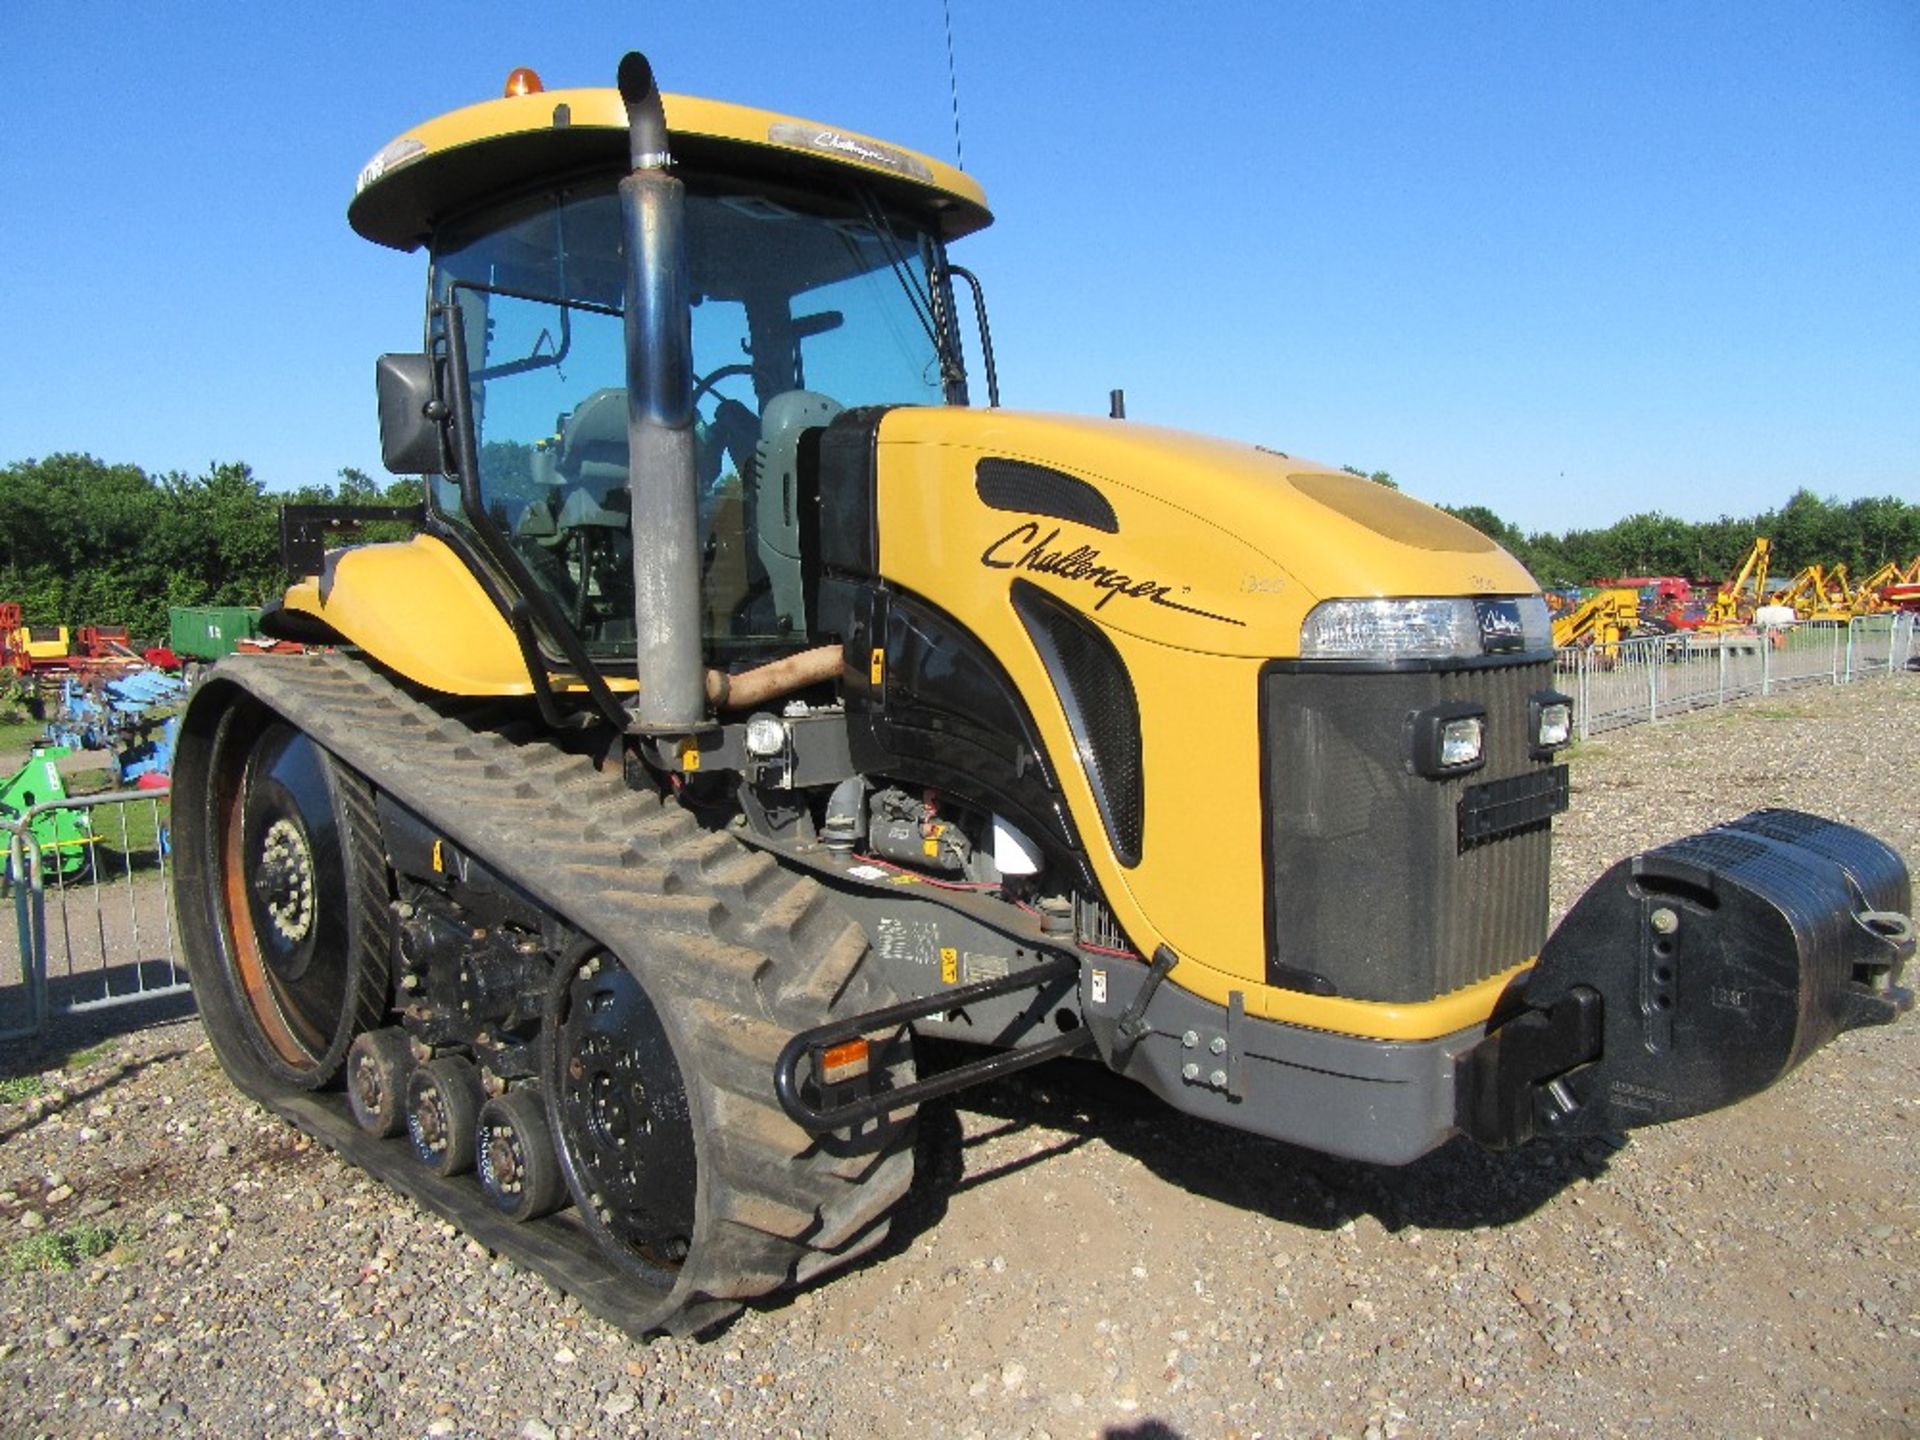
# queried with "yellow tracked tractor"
point(754, 704)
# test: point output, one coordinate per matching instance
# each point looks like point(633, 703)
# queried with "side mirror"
point(412, 415)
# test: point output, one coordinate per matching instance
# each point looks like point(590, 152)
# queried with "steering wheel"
point(713, 377)
point(734, 430)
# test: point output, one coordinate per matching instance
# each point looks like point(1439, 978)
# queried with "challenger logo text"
point(1023, 548)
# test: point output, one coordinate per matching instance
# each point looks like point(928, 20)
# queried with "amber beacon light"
point(524, 81)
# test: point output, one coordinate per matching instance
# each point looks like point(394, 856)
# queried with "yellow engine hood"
point(1218, 546)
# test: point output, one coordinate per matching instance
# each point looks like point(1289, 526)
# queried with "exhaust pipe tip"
point(646, 114)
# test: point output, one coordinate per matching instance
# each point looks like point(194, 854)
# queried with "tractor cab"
point(816, 280)
point(802, 307)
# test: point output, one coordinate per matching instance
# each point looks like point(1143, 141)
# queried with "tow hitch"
point(1695, 975)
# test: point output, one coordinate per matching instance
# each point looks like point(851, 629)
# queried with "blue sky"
point(1566, 260)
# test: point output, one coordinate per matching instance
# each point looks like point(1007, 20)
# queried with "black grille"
point(1036, 490)
point(1102, 711)
point(1093, 924)
point(1376, 890)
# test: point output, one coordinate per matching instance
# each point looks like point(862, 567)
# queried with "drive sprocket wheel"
point(297, 912)
point(659, 1092)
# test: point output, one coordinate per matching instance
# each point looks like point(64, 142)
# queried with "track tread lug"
point(742, 1121)
point(757, 1040)
point(763, 1213)
point(823, 985)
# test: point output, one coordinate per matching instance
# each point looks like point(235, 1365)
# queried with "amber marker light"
point(843, 1062)
point(524, 82)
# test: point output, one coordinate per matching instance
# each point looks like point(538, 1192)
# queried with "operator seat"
point(593, 443)
point(775, 497)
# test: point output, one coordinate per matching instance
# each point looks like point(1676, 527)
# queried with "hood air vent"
point(1035, 490)
point(1102, 710)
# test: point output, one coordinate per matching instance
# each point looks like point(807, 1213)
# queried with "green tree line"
point(83, 542)
point(1862, 534)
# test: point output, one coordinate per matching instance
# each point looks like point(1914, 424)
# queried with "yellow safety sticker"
point(690, 757)
point(949, 965)
point(439, 858)
point(877, 667)
point(932, 846)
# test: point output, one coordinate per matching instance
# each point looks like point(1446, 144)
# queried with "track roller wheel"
point(378, 1063)
point(444, 1098)
point(284, 897)
point(518, 1166)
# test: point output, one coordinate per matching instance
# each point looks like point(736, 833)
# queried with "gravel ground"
point(1075, 1261)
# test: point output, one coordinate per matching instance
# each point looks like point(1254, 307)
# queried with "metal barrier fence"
point(1663, 675)
point(90, 880)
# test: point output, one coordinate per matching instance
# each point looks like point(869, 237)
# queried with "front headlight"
point(1549, 721)
point(1449, 739)
point(1460, 741)
point(1390, 630)
point(1436, 629)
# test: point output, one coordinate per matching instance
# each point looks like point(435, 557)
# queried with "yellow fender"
point(416, 608)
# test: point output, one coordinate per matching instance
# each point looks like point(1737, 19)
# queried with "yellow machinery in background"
point(25, 647)
point(1902, 590)
point(1816, 593)
point(1886, 588)
point(1604, 618)
point(1734, 603)
point(1867, 596)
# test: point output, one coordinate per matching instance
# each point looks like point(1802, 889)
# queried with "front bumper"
point(1384, 1101)
point(1685, 979)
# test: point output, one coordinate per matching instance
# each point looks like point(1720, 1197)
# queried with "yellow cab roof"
point(455, 160)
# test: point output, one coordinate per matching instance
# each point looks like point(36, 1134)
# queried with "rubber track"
point(366, 864)
point(736, 952)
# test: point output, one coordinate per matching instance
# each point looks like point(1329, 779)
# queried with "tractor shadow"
point(71, 1077)
point(1459, 1186)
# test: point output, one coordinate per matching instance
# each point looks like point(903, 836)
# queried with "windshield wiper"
point(918, 295)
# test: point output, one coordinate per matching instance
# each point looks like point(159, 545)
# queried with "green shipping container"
point(206, 632)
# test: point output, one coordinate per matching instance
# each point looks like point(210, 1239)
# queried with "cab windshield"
point(799, 312)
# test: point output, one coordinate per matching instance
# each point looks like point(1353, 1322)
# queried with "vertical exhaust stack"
point(660, 463)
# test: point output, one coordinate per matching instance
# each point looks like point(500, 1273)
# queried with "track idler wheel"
point(619, 1108)
point(283, 897)
point(378, 1064)
point(516, 1161)
point(444, 1098)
